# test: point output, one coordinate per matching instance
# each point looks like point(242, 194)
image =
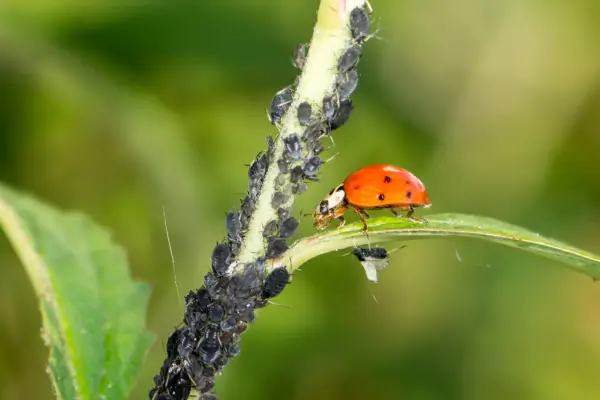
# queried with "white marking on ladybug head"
point(336, 198)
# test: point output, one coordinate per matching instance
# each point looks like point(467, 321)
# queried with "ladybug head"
point(326, 209)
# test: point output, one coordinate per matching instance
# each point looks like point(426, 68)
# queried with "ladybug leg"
point(342, 221)
point(361, 215)
point(409, 214)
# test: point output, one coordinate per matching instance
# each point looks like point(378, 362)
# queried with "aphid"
point(329, 107)
point(359, 24)
point(288, 227)
point(283, 213)
point(372, 187)
point(280, 180)
point(194, 370)
point(293, 147)
point(173, 343)
point(349, 58)
point(247, 209)
point(228, 324)
point(180, 387)
point(270, 228)
point(234, 350)
point(280, 103)
point(275, 282)
point(342, 115)
point(250, 283)
point(221, 258)
point(347, 84)
point(372, 259)
point(276, 248)
point(296, 173)
point(258, 169)
point(187, 342)
point(311, 167)
point(315, 147)
point(304, 112)
point(282, 164)
point(270, 148)
point(210, 347)
point(300, 55)
point(216, 313)
point(313, 132)
point(278, 199)
point(261, 263)
point(299, 188)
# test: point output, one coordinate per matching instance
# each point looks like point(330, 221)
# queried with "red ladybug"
point(372, 187)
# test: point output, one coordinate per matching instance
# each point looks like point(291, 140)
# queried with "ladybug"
point(372, 187)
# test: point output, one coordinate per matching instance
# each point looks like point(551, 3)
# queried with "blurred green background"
point(120, 108)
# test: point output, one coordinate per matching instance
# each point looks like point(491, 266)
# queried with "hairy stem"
point(330, 37)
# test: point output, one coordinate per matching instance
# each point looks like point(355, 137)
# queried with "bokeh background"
point(120, 108)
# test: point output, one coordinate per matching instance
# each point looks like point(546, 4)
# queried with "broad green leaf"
point(387, 229)
point(93, 312)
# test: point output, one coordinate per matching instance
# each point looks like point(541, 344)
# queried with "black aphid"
point(187, 342)
point(343, 114)
point(258, 169)
point(359, 24)
point(194, 370)
point(315, 147)
point(270, 228)
point(349, 58)
point(313, 132)
point(270, 148)
point(180, 386)
point(283, 213)
point(328, 108)
point(221, 258)
point(280, 104)
point(299, 188)
point(311, 167)
point(173, 343)
point(296, 173)
point(293, 147)
point(373, 259)
point(275, 282)
point(276, 248)
point(278, 199)
point(304, 112)
point(247, 209)
point(210, 347)
point(233, 226)
point(216, 313)
point(300, 55)
point(288, 227)
point(282, 164)
point(347, 84)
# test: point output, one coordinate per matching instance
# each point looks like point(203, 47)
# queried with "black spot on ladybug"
point(408, 195)
point(387, 179)
point(381, 196)
point(356, 187)
point(407, 182)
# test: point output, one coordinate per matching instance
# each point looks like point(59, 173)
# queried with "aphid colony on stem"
point(218, 313)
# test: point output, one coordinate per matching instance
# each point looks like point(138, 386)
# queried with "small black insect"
point(247, 209)
point(216, 313)
point(276, 282)
point(280, 104)
point(373, 259)
point(228, 324)
point(278, 199)
point(194, 370)
point(359, 24)
point(315, 147)
point(296, 173)
point(270, 148)
point(299, 188)
point(343, 114)
point(288, 227)
point(349, 58)
point(180, 386)
point(282, 164)
point(300, 55)
point(258, 169)
point(347, 84)
point(329, 107)
point(187, 342)
point(311, 167)
point(283, 213)
point(313, 132)
point(210, 347)
point(270, 228)
point(221, 258)
point(276, 248)
point(304, 112)
point(293, 147)
point(173, 343)
point(233, 226)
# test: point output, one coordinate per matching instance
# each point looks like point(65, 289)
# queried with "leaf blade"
point(82, 280)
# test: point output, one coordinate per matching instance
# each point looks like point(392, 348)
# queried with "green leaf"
point(387, 229)
point(93, 313)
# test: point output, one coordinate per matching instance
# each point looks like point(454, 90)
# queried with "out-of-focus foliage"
point(118, 110)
